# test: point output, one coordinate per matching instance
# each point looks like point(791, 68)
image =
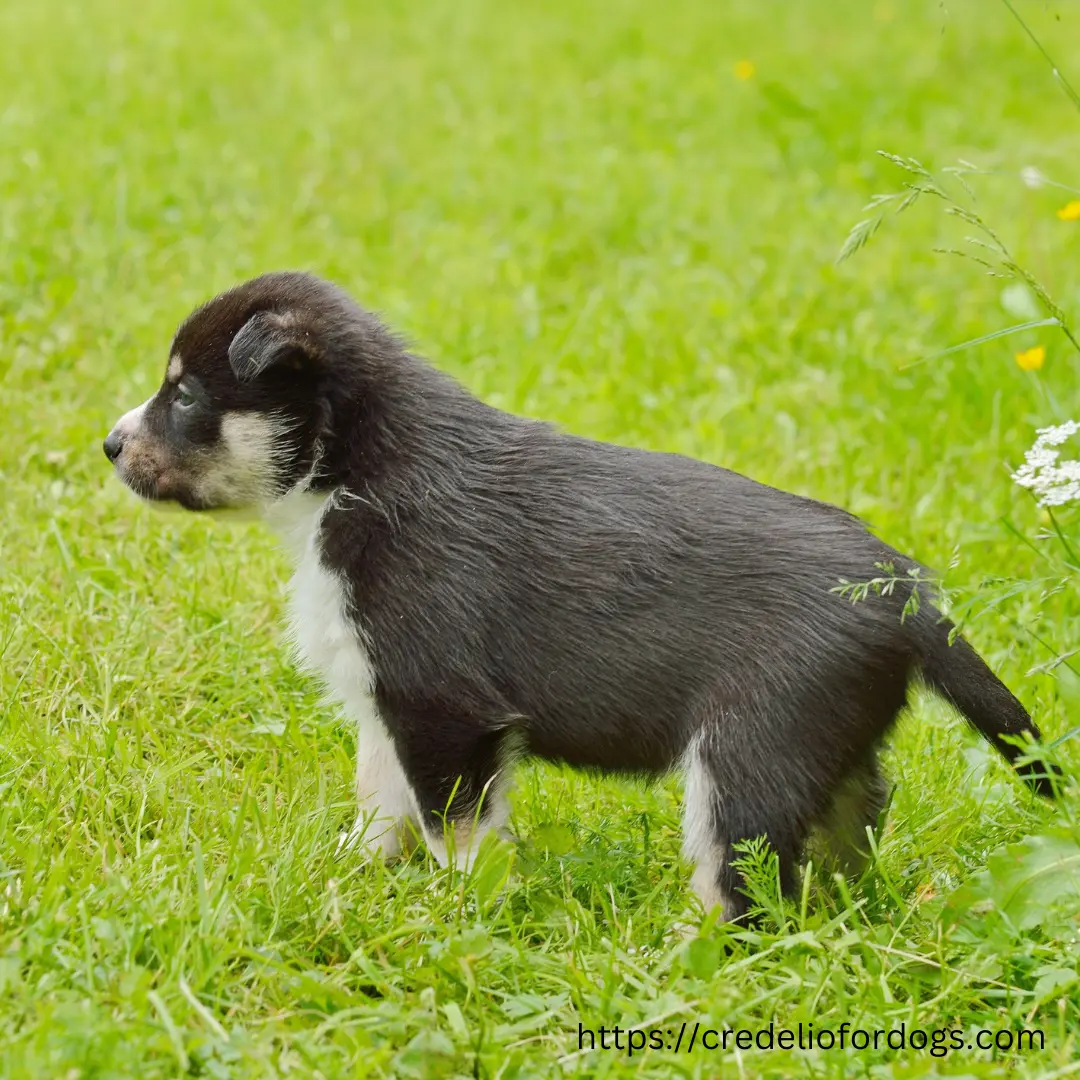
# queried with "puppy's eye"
point(183, 398)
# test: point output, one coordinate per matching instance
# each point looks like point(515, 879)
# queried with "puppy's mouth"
point(153, 476)
point(158, 491)
point(172, 491)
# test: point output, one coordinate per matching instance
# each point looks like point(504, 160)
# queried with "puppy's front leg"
point(386, 807)
point(457, 769)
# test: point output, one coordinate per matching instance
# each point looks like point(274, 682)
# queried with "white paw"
point(376, 838)
point(457, 846)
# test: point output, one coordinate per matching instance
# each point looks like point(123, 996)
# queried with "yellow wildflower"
point(1070, 211)
point(745, 69)
point(1031, 359)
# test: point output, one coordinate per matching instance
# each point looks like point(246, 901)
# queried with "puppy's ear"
point(270, 340)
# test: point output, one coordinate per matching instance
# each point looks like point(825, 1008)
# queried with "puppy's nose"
point(113, 445)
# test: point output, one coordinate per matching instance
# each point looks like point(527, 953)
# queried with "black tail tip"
point(1044, 778)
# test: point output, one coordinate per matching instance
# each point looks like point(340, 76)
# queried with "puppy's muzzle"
point(141, 461)
point(122, 431)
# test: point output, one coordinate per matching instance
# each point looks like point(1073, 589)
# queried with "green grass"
point(583, 214)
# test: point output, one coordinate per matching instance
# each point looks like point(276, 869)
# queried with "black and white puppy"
point(473, 586)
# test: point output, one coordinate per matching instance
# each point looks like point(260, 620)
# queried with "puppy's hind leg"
point(703, 844)
point(856, 806)
point(736, 790)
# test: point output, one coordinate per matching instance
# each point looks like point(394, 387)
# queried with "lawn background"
point(584, 213)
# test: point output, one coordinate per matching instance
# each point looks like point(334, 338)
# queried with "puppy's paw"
point(680, 932)
point(377, 839)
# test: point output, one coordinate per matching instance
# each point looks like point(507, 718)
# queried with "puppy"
point(474, 586)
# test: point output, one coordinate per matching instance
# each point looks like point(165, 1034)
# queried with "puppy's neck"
point(296, 518)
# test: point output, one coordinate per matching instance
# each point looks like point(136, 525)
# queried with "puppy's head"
point(239, 418)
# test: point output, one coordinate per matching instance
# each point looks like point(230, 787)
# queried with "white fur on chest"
point(325, 639)
point(331, 645)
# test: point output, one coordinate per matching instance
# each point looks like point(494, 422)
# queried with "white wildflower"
point(1032, 177)
point(1055, 482)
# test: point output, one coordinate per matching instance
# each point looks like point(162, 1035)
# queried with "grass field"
point(621, 217)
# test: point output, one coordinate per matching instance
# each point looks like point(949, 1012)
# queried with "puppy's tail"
point(960, 675)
